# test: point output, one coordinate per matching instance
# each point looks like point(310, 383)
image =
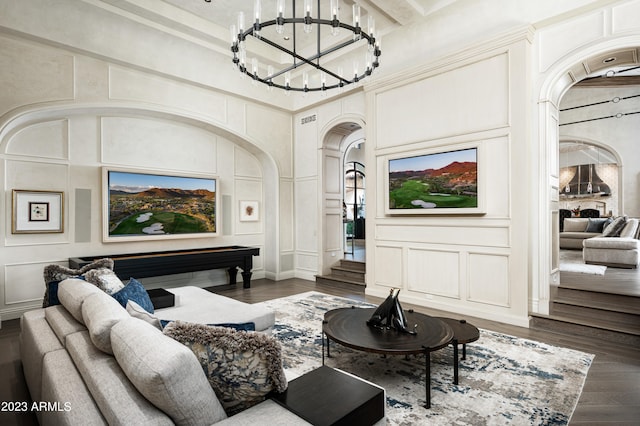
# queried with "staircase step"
point(617, 302)
point(340, 281)
point(618, 321)
point(569, 325)
point(338, 271)
point(353, 265)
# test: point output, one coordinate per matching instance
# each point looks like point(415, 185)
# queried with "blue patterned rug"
point(504, 379)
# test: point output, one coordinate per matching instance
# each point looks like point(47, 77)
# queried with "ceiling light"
point(312, 68)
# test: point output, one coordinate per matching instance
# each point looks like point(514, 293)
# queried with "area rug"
point(583, 268)
point(504, 379)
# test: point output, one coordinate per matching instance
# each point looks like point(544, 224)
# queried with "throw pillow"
point(138, 311)
point(615, 227)
point(243, 326)
point(596, 226)
point(54, 274)
point(105, 279)
point(134, 290)
point(242, 367)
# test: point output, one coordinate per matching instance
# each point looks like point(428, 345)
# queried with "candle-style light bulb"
point(307, 16)
point(356, 21)
point(280, 16)
point(257, 12)
point(335, 18)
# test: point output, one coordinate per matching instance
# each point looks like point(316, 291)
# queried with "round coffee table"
point(348, 326)
point(463, 333)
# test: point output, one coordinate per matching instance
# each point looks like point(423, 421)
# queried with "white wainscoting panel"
point(136, 86)
point(439, 233)
point(434, 272)
point(20, 285)
point(388, 266)
point(488, 278)
point(143, 142)
point(49, 139)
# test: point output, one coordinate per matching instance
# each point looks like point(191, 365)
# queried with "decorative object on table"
point(576, 211)
point(249, 211)
point(504, 380)
point(390, 315)
point(37, 212)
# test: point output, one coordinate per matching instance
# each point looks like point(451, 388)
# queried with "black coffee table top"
point(463, 331)
point(348, 327)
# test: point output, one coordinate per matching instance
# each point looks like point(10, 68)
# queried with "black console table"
point(141, 265)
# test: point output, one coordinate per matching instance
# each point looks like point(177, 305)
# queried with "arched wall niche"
point(16, 121)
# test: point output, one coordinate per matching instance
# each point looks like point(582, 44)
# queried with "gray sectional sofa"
point(620, 251)
point(576, 230)
point(95, 364)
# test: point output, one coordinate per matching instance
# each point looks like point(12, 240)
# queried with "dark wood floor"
point(615, 280)
point(611, 394)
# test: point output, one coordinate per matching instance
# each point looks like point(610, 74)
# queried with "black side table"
point(326, 396)
point(463, 333)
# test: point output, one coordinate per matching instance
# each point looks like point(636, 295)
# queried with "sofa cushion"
point(630, 229)
point(242, 367)
point(62, 383)
point(139, 312)
point(101, 312)
point(118, 400)
point(54, 274)
point(36, 339)
point(72, 293)
point(134, 290)
point(105, 279)
point(166, 372)
point(612, 243)
point(62, 322)
point(615, 227)
point(575, 224)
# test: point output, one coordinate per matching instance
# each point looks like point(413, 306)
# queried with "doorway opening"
point(354, 209)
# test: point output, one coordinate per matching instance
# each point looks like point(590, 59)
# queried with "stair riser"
point(354, 266)
point(628, 303)
point(629, 321)
point(580, 330)
point(337, 283)
point(351, 275)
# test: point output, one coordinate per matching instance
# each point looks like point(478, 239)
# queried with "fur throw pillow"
point(54, 273)
point(242, 367)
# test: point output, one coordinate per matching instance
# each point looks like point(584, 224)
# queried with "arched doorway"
point(569, 71)
point(340, 137)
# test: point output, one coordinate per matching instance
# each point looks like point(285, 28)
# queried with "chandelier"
point(314, 60)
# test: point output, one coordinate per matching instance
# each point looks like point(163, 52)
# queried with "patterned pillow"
point(105, 279)
point(242, 367)
point(243, 326)
point(615, 227)
point(54, 274)
point(134, 290)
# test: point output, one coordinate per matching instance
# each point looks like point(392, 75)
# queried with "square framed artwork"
point(37, 212)
point(249, 211)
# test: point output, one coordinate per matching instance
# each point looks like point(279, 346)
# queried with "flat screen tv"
point(435, 182)
point(146, 205)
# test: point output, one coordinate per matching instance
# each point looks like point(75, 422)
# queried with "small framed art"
point(249, 211)
point(36, 212)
